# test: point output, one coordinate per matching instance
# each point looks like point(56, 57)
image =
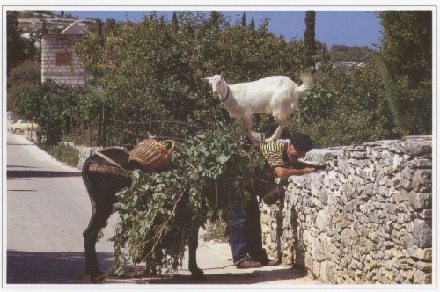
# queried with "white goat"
point(277, 95)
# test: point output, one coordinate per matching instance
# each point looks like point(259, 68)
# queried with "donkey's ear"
point(222, 75)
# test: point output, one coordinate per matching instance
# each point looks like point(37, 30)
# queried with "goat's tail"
point(307, 82)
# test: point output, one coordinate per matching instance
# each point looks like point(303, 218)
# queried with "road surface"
point(47, 210)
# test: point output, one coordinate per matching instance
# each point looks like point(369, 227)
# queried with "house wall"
point(366, 219)
point(59, 61)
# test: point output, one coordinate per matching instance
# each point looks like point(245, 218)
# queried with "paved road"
point(48, 209)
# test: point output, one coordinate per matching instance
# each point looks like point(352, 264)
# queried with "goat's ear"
point(205, 80)
point(222, 75)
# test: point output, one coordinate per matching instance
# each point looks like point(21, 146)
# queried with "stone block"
point(422, 233)
point(424, 254)
point(422, 181)
point(418, 148)
point(424, 266)
point(426, 214)
point(420, 163)
point(420, 277)
point(421, 200)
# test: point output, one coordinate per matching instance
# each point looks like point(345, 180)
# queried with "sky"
point(351, 28)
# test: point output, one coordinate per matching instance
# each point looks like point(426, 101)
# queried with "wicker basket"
point(152, 155)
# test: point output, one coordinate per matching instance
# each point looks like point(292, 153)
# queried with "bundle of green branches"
point(159, 210)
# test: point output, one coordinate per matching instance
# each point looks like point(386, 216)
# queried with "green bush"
point(208, 173)
point(346, 106)
point(65, 153)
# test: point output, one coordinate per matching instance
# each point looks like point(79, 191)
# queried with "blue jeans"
point(245, 231)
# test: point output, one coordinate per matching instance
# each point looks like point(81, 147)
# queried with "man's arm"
point(300, 164)
point(283, 172)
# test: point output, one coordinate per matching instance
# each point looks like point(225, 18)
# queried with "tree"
point(165, 68)
point(309, 39)
point(44, 27)
point(98, 26)
point(243, 19)
point(110, 25)
point(406, 50)
point(175, 22)
point(252, 24)
point(53, 106)
point(21, 78)
point(15, 45)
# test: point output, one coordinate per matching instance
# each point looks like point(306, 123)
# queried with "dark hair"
point(301, 142)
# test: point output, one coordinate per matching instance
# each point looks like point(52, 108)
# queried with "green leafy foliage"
point(152, 70)
point(25, 76)
point(15, 44)
point(65, 153)
point(346, 105)
point(406, 55)
point(159, 211)
point(54, 107)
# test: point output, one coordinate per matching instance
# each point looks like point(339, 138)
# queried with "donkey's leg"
point(97, 222)
point(193, 243)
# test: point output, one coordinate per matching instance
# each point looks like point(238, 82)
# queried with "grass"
point(65, 153)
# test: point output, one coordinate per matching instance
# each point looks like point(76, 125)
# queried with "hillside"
point(341, 53)
point(32, 22)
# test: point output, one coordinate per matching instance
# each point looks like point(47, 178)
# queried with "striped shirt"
point(276, 154)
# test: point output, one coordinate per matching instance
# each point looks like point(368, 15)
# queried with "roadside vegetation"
point(63, 152)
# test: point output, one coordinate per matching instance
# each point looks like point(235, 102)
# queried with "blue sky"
point(351, 28)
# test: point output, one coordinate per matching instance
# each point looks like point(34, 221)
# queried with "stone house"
point(59, 61)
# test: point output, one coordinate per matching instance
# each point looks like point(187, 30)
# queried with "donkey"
point(106, 173)
point(277, 95)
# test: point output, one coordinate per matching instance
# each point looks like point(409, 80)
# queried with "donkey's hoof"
point(97, 278)
point(198, 275)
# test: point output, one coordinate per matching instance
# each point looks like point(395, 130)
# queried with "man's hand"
point(300, 169)
point(308, 169)
point(320, 167)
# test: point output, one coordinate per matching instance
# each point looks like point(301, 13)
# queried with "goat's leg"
point(282, 123)
point(193, 243)
point(97, 222)
point(247, 127)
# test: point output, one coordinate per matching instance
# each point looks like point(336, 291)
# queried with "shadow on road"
point(21, 144)
point(245, 277)
point(50, 267)
point(18, 174)
point(21, 166)
point(68, 268)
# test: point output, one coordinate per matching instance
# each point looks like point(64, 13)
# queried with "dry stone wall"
point(366, 219)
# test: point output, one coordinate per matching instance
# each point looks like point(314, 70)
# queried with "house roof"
point(75, 28)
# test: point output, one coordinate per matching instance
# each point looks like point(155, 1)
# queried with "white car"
point(22, 125)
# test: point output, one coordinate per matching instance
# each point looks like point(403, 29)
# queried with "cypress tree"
point(309, 39)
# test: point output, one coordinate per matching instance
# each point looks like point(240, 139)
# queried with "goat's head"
point(217, 83)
